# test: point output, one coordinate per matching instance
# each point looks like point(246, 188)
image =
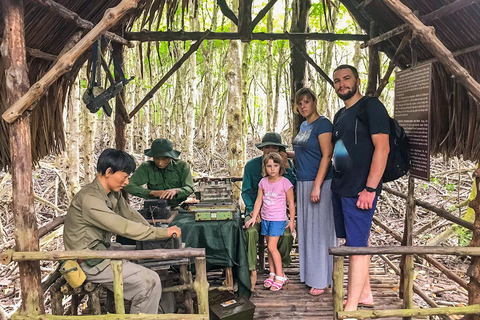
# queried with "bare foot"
point(316, 292)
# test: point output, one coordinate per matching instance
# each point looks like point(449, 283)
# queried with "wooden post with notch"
point(13, 51)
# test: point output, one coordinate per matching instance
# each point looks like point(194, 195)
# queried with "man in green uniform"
point(97, 212)
point(252, 174)
point(166, 176)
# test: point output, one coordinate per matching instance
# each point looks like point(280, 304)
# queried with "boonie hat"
point(271, 139)
point(162, 148)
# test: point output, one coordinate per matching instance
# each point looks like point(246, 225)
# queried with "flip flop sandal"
point(278, 286)
point(317, 293)
point(268, 282)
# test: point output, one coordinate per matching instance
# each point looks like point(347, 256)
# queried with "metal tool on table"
point(216, 201)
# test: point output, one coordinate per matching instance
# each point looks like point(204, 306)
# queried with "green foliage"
point(464, 235)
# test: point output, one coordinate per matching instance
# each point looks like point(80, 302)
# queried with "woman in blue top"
point(316, 230)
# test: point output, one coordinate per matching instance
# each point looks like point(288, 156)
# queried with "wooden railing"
point(338, 261)
point(200, 284)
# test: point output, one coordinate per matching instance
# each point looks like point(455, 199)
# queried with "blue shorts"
point(351, 222)
point(273, 228)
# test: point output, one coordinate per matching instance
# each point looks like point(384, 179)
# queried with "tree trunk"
point(269, 120)
point(234, 108)
point(73, 135)
point(298, 63)
point(13, 53)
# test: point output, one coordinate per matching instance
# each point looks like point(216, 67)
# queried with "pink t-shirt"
point(274, 206)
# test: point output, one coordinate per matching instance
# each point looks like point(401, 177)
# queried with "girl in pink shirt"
point(274, 191)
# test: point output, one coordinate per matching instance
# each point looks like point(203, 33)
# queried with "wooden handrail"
point(409, 250)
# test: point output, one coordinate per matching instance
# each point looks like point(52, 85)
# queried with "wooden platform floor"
point(295, 303)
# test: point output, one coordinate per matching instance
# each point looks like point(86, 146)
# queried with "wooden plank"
point(262, 13)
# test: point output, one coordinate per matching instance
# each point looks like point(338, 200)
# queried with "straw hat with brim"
point(162, 148)
point(271, 139)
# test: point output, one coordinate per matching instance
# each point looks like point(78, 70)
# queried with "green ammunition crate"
point(213, 215)
point(225, 306)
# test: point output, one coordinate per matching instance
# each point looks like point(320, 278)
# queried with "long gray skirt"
point(316, 233)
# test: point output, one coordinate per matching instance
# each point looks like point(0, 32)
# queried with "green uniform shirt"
point(175, 175)
point(93, 215)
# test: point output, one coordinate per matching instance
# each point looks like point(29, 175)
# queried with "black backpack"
point(398, 162)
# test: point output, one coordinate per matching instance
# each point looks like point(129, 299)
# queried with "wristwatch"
point(370, 189)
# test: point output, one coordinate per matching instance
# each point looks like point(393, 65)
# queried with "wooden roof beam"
point(66, 61)
point(172, 70)
point(146, 36)
point(227, 12)
point(430, 40)
point(72, 16)
point(434, 15)
point(304, 54)
point(245, 20)
point(262, 13)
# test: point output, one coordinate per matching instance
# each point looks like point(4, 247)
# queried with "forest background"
point(221, 102)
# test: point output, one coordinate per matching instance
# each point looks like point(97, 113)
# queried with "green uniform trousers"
point(284, 246)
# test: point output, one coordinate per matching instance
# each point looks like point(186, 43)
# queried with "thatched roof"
point(456, 117)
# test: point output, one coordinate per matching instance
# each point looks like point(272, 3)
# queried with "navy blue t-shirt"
point(353, 146)
point(307, 149)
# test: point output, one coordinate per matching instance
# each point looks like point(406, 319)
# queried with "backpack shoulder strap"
point(362, 111)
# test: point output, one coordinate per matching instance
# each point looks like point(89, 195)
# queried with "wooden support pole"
point(201, 285)
point(429, 259)
point(172, 70)
point(434, 15)
point(149, 36)
point(392, 64)
point(406, 266)
point(304, 54)
point(430, 40)
point(69, 15)
point(262, 13)
point(65, 63)
point(416, 289)
point(474, 270)
point(337, 287)
point(245, 20)
point(121, 113)
point(118, 286)
point(373, 63)
point(185, 277)
point(227, 12)
point(439, 211)
point(14, 60)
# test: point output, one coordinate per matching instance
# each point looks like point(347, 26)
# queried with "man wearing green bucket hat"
point(252, 174)
point(166, 176)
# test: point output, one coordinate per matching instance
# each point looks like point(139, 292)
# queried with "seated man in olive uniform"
point(166, 176)
point(252, 174)
point(97, 212)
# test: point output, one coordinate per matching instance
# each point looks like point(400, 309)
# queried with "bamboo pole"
point(337, 287)
point(66, 62)
point(139, 316)
point(474, 270)
point(118, 286)
point(430, 40)
point(454, 251)
point(201, 285)
point(159, 254)
point(376, 314)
